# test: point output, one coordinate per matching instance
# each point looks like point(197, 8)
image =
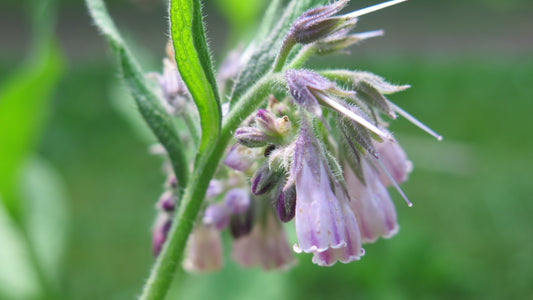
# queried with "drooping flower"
point(325, 225)
point(371, 203)
point(204, 250)
point(266, 245)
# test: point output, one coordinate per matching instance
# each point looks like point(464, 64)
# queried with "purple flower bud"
point(239, 158)
point(317, 23)
point(266, 121)
point(216, 215)
point(251, 137)
point(286, 203)
point(172, 181)
point(237, 201)
point(371, 204)
point(167, 202)
point(214, 189)
point(204, 250)
point(341, 40)
point(159, 232)
point(264, 179)
point(266, 245)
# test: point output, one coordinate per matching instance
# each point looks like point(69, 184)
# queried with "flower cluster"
point(319, 153)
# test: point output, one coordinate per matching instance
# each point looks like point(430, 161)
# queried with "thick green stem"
point(172, 252)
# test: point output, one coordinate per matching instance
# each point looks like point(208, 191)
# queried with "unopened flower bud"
point(266, 121)
point(319, 22)
point(214, 189)
point(172, 181)
point(167, 202)
point(286, 203)
point(217, 216)
point(241, 224)
point(237, 201)
point(264, 179)
point(251, 137)
point(160, 231)
point(239, 158)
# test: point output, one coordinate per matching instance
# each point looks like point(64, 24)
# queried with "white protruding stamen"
point(373, 8)
point(394, 183)
point(350, 114)
point(415, 121)
point(368, 34)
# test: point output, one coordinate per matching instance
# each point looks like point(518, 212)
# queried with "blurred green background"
point(468, 236)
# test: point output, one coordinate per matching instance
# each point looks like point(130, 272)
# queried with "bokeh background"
point(87, 184)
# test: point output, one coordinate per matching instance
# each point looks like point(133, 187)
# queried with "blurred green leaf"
point(17, 277)
point(147, 102)
point(23, 106)
point(45, 215)
point(241, 14)
point(195, 66)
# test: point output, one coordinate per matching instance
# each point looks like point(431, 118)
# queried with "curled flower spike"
point(308, 89)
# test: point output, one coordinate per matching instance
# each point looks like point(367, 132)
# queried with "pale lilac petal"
point(204, 250)
point(266, 246)
point(319, 220)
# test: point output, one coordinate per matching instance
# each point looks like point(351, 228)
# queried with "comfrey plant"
point(272, 142)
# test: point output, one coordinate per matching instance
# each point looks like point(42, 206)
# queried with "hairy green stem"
point(286, 47)
point(172, 252)
point(303, 55)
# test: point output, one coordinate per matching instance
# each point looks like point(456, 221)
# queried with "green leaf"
point(17, 277)
point(267, 50)
point(195, 66)
point(45, 216)
point(147, 102)
point(23, 107)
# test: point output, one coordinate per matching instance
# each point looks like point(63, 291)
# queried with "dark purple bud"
point(217, 216)
point(251, 137)
point(167, 202)
point(286, 203)
point(241, 224)
point(264, 179)
point(160, 232)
